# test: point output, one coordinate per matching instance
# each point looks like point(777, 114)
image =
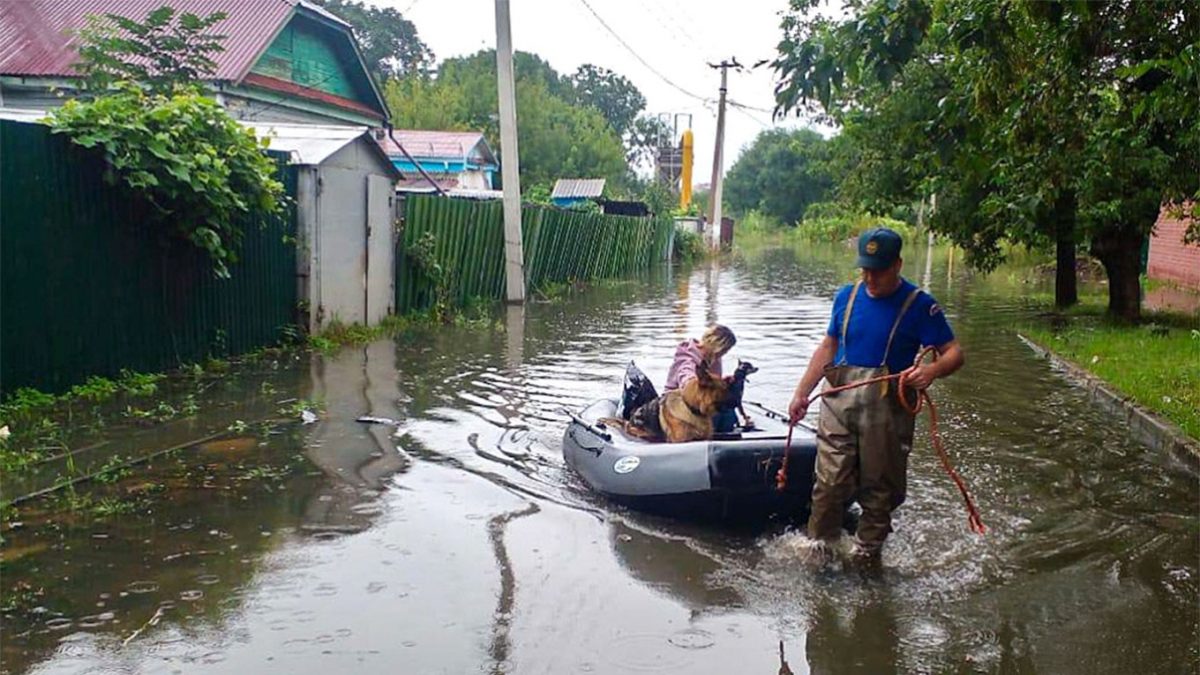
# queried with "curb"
point(1152, 430)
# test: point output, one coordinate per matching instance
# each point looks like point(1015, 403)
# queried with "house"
point(1169, 258)
point(459, 161)
point(283, 60)
point(571, 191)
point(345, 221)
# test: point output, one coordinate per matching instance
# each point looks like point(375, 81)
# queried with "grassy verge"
point(1155, 363)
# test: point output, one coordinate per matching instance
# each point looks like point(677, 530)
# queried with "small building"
point(1169, 258)
point(345, 221)
point(571, 191)
point(455, 160)
point(283, 60)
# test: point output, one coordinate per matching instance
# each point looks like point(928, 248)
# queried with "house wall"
point(1170, 259)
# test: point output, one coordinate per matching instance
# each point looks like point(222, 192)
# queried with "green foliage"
point(842, 227)
point(780, 174)
point(389, 42)
point(199, 168)
point(423, 254)
point(1031, 121)
point(658, 198)
point(689, 246)
point(564, 131)
point(161, 52)
point(613, 95)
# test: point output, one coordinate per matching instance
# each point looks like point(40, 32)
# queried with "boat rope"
point(922, 399)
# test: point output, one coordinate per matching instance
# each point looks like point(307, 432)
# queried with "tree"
point(161, 52)
point(781, 174)
point(643, 139)
point(420, 102)
point(558, 138)
point(389, 42)
point(1011, 112)
point(613, 95)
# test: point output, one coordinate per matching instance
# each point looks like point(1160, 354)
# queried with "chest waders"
point(864, 437)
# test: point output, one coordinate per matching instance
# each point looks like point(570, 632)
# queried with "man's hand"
point(797, 408)
point(919, 377)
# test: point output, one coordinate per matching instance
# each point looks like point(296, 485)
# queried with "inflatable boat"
point(730, 477)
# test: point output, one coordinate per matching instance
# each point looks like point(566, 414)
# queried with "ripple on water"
point(142, 587)
point(646, 653)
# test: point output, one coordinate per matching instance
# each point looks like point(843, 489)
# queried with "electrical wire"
point(637, 56)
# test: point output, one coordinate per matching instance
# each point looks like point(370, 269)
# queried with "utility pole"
point(718, 154)
point(514, 256)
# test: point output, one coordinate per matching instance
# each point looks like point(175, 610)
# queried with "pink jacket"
point(687, 359)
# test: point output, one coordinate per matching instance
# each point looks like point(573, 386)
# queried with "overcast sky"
point(677, 38)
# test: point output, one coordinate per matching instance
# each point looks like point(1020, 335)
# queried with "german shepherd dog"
point(681, 415)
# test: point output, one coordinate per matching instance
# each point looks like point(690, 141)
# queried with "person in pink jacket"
point(714, 344)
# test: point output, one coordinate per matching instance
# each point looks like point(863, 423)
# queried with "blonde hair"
point(718, 339)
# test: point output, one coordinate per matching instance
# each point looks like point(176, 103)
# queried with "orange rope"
point(973, 518)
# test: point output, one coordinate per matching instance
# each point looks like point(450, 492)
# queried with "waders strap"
point(903, 310)
point(846, 318)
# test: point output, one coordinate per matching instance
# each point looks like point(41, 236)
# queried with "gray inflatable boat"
point(731, 477)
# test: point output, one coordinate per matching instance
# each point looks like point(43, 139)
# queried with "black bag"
point(637, 392)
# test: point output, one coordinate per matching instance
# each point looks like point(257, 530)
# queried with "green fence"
point(467, 240)
point(88, 287)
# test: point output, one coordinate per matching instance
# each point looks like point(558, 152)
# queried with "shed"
point(571, 191)
point(345, 195)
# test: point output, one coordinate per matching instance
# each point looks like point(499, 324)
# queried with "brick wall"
point(1170, 259)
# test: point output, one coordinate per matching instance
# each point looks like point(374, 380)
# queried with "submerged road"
point(455, 540)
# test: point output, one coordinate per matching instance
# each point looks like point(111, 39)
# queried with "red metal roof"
point(35, 39)
point(437, 144)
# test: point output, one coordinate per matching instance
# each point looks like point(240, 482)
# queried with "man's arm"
point(950, 359)
point(821, 358)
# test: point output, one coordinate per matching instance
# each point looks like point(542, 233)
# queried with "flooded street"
point(454, 540)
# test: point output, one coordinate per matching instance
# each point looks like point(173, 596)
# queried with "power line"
point(637, 56)
point(750, 107)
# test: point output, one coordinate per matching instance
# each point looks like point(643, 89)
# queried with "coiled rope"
point(922, 398)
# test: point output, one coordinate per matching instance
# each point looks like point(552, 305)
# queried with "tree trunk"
point(1120, 250)
point(1066, 291)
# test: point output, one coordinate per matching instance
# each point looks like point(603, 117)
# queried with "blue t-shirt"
point(871, 320)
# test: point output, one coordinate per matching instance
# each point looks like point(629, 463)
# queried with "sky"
point(676, 38)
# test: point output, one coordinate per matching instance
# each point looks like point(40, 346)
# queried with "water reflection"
point(455, 540)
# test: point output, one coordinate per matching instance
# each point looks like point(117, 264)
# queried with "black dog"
point(737, 385)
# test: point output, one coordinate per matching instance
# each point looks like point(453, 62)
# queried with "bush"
point(689, 246)
point(842, 227)
point(199, 168)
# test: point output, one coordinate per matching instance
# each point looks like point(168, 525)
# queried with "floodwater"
point(455, 540)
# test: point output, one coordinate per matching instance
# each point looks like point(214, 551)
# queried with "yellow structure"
point(685, 190)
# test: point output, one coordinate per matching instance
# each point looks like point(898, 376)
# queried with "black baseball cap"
point(878, 248)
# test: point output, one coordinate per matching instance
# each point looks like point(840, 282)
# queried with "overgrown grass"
point(822, 223)
point(477, 314)
point(1156, 363)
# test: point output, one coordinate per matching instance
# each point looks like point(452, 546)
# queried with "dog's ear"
point(703, 373)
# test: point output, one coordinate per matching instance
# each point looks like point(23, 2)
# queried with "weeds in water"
point(163, 412)
point(113, 470)
point(22, 596)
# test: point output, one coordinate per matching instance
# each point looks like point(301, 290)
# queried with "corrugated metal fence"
point(468, 243)
point(88, 287)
